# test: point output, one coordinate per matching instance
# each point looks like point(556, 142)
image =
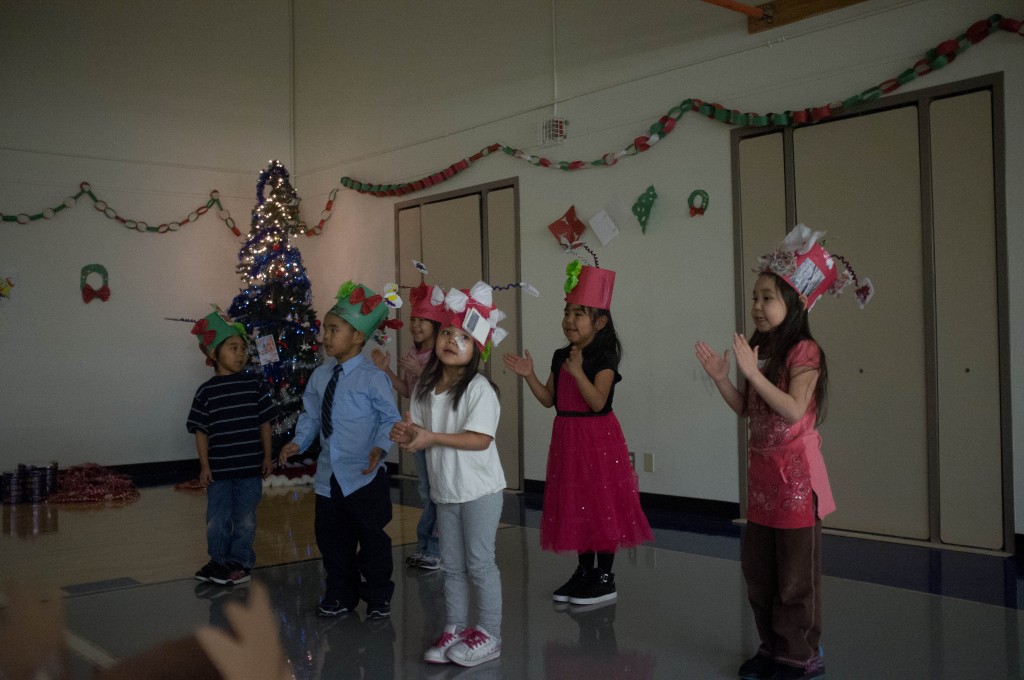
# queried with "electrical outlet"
point(648, 462)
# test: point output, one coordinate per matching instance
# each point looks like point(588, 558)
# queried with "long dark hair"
point(774, 346)
point(606, 340)
point(434, 369)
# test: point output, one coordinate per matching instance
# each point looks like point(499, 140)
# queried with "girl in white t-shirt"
point(454, 416)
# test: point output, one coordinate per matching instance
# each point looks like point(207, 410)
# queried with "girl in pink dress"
point(591, 498)
point(788, 491)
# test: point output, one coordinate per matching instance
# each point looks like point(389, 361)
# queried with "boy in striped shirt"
point(230, 417)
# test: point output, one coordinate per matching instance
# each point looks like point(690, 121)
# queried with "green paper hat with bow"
point(215, 328)
point(361, 307)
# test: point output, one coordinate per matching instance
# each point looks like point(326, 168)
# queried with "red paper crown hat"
point(589, 286)
point(428, 303)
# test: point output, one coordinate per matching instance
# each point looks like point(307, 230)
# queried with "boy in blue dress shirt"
point(349, 404)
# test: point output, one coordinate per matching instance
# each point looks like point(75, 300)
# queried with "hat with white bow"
point(473, 311)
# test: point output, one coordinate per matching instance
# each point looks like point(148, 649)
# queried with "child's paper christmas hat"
point(805, 265)
point(589, 286)
point(428, 303)
point(213, 329)
point(473, 311)
point(365, 310)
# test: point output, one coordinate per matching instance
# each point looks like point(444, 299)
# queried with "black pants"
point(356, 549)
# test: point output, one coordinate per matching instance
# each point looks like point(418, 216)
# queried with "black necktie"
point(326, 427)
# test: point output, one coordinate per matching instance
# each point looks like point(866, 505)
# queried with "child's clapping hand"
point(410, 436)
point(381, 359)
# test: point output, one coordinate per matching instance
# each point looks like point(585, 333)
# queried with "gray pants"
point(467, 532)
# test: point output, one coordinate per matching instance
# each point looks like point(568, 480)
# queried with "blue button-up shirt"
point(363, 414)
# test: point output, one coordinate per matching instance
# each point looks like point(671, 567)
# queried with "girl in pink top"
point(788, 491)
point(424, 324)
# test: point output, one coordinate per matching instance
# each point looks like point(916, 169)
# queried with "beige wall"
point(393, 92)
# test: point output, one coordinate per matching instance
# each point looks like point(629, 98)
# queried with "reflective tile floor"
point(890, 611)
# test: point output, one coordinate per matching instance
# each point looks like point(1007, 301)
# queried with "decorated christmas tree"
point(275, 303)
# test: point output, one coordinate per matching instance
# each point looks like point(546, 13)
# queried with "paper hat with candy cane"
point(213, 329)
point(472, 310)
point(805, 265)
point(365, 310)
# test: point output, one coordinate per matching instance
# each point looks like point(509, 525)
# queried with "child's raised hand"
point(252, 650)
point(381, 360)
point(746, 356)
point(574, 362)
point(402, 431)
point(715, 365)
point(410, 436)
point(411, 366)
point(520, 365)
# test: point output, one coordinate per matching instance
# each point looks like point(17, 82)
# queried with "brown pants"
point(782, 568)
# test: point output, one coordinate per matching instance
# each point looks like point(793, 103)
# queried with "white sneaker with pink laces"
point(438, 653)
point(474, 647)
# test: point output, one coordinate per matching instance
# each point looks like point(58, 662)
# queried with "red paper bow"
point(419, 293)
point(392, 323)
point(369, 303)
point(88, 293)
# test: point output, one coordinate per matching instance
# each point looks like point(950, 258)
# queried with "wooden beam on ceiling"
point(782, 12)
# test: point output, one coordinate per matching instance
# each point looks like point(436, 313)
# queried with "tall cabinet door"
point(858, 180)
point(966, 321)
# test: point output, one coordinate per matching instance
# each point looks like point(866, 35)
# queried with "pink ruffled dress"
point(591, 498)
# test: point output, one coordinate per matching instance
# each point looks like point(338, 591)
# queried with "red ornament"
point(315, 347)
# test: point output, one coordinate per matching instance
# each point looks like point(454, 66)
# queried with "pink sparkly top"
point(785, 468)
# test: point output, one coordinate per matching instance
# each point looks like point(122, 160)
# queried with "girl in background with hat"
point(424, 323)
point(454, 416)
point(788, 492)
point(591, 498)
point(230, 417)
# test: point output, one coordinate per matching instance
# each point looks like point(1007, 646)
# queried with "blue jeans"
point(468, 531)
point(426, 532)
point(231, 519)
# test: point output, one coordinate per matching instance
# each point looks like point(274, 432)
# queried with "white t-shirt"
point(456, 475)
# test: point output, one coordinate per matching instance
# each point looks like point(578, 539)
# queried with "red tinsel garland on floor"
point(92, 483)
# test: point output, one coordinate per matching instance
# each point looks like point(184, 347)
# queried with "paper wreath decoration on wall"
point(88, 292)
point(6, 284)
point(697, 209)
point(643, 205)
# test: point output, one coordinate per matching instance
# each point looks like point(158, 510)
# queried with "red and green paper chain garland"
point(933, 60)
point(85, 189)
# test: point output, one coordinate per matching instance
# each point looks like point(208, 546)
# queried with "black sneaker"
point(598, 587)
point(378, 610)
point(757, 667)
point(232, 575)
point(209, 570)
point(570, 587)
point(784, 672)
point(331, 608)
